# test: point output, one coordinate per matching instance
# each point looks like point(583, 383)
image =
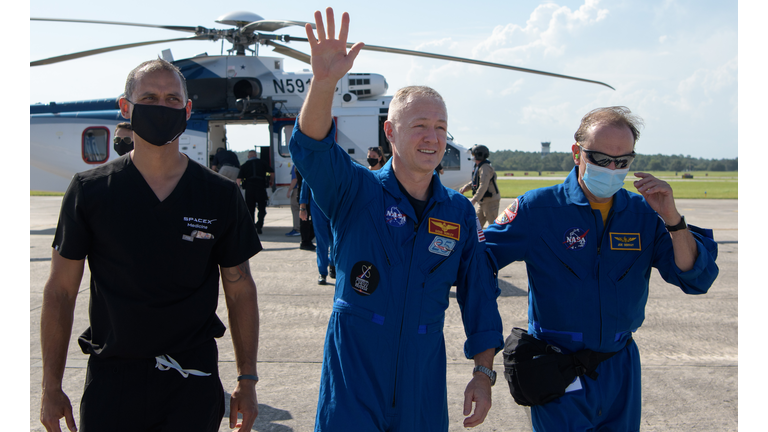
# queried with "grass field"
point(709, 185)
point(44, 193)
point(704, 185)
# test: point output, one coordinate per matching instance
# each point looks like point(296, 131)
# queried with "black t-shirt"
point(255, 172)
point(226, 157)
point(154, 265)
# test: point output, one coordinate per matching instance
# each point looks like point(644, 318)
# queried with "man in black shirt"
point(156, 228)
point(254, 172)
point(226, 163)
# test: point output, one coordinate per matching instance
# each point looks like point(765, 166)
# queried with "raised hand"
point(330, 59)
point(658, 195)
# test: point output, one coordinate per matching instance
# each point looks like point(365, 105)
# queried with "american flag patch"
point(480, 234)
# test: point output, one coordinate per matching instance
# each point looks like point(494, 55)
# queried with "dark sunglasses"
point(603, 160)
point(125, 140)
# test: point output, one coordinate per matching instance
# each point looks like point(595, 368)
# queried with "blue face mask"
point(604, 182)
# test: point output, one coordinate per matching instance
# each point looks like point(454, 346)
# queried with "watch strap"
point(491, 373)
point(681, 225)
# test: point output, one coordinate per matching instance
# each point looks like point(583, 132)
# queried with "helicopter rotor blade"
point(472, 61)
point(290, 52)
point(80, 54)
point(166, 27)
point(272, 25)
point(461, 60)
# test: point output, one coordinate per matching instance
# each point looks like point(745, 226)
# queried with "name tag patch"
point(197, 234)
point(442, 246)
point(444, 228)
point(625, 241)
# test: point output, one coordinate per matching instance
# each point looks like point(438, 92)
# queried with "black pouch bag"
point(538, 373)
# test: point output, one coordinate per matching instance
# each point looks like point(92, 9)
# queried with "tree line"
point(516, 160)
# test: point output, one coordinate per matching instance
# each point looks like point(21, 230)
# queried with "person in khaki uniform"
point(485, 191)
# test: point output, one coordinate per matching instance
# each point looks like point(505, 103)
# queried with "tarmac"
point(688, 344)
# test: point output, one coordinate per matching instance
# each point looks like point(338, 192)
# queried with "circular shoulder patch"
point(575, 238)
point(509, 214)
point(364, 278)
point(395, 217)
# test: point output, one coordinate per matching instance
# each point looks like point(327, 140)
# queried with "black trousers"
point(256, 197)
point(133, 395)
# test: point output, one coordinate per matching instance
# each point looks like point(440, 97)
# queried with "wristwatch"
point(491, 373)
point(678, 227)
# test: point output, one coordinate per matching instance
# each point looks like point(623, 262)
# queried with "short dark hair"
point(153, 66)
point(613, 116)
point(124, 125)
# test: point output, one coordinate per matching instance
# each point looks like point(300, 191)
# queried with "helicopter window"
point(95, 145)
point(451, 158)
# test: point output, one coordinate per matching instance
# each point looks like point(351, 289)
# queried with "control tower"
point(545, 148)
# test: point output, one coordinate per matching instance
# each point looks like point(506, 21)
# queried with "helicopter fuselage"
point(70, 137)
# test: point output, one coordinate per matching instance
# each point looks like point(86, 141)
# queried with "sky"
point(672, 62)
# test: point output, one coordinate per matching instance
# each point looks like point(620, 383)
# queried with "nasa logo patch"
point(395, 217)
point(575, 238)
point(364, 278)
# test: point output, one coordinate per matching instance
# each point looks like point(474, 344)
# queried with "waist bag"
point(538, 372)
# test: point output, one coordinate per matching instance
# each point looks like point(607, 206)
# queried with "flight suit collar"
point(389, 182)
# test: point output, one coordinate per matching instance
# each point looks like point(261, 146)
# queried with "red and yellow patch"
point(444, 228)
point(509, 214)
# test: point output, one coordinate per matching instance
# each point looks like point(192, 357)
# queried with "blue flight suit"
point(587, 289)
point(322, 227)
point(384, 363)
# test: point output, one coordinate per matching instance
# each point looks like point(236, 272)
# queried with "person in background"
point(293, 193)
point(375, 158)
point(123, 141)
point(226, 163)
point(308, 210)
point(256, 175)
point(485, 191)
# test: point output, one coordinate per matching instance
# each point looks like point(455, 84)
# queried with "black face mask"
point(373, 161)
point(123, 145)
point(157, 124)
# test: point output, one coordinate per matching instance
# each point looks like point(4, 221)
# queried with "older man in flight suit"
point(589, 247)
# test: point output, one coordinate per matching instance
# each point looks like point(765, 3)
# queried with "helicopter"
point(241, 87)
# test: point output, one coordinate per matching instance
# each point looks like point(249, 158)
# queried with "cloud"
point(704, 86)
point(546, 32)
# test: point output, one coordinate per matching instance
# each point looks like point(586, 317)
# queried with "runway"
point(688, 344)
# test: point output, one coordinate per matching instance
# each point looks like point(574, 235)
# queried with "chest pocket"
point(566, 259)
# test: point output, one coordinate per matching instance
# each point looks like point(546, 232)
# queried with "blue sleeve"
point(477, 289)
point(507, 236)
point(328, 169)
point(704, 272)
point(305, 193)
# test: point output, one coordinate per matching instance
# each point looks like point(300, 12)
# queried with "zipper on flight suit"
point(405, 297)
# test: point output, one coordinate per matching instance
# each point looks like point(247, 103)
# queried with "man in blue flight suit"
point(589, 247)
point(402, 239)
point(322, 227)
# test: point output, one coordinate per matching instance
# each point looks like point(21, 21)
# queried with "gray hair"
point(613, 116)
point(153, 66)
